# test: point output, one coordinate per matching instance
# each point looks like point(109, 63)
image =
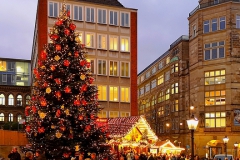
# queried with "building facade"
point(109, 32)
point(211, 81)
point(15, 83)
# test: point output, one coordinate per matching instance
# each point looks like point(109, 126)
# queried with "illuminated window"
point(102, 41)
point(125, 114)
point(174, 68)
point(89, 40)
point(102, 114)
point(102, 70)
point(113, 93)
point(113, 18)
point(215, 119)
point(161, 97)
point(10, 117)
point(161, 111)
point(113, 68)
point(53, 9)
point(3, 66)
point(125, 19)
point(1, 117)
point(102, 16)
point(102, 93)
point(113, 114)
point(215, 98)
point(124, 44)
point(174, 88)
point(113, 43)
point(214, 77)
point(147, 105)
point(90, 14)
point(167, 60)
point(160, 80)
point(78, 13)
point(167, 96)
point(10, 100)
point(2, 99)
point(154, 100)
point(80, 36)
point(19, 117)
point(125, 94)
point(125, 69)
point(175, 106)
point(19, 100)
point(214, 50)
point(28, 98)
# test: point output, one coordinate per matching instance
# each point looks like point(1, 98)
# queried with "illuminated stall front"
point(166, 147)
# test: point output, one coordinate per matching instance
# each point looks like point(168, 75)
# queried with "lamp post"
point(192, 125)
point(225, 141)
point(235, 147)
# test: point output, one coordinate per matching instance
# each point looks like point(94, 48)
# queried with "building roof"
point(105, 2)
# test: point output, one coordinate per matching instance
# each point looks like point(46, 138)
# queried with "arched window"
point(2, 99)
point(28, 100)
point(10, 100)
point(1, 117)
point(19, 100)
point(10, 117)
point(19, 117)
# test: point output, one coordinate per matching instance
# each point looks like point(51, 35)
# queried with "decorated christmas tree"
point(64, 101)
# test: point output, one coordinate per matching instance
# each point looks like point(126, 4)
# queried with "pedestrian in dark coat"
point(14, 155)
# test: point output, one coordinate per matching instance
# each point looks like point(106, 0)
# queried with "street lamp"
point(192, 125)
point(235, 147)
point(225, 141)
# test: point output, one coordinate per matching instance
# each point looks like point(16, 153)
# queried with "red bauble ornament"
point(41, 129)
point(58, 47)
point(92, 116)
point(88, 64)
point(43, 55)
point(76, 54)
point(84, 88)
point(58, 81)
point(27, 111)
point(54, 37)
point(45, 84)
point(66, 32)
point(87, 128)
point(72, 26)
point(39, 63)
point(76, 102)
point(34, 109)
point(58, 94)
point(66, 63)
point(59, 22)
point(82, 62)
point(43, 103)
point(80, 117)
point(58, 113)
point(67, 89)
point(68, 13)
point(28, 128)
point(90, 80)
point(52, 67)
point(84, 102)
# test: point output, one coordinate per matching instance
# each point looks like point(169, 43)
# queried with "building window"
point(237, 21)
point(167, 95)
point(53, 9)
point(102, 93)
point(113, 43)
point(148, 74)
point(175, 106)
point(113, 66)
point(90, 14)
point(124, 44)
point(113, 93)
point(125, 114)
point(19, 100)
point(28, 98)
point(78, 13)
point(4, 78)
point(214, 24)
point(10, 100)
point(102, 114)
point(125, 69)
point(160, 80)
point(10, 117)
point(154, 69)
point(214, 50)
point(215, 97)
point(214, 77)
point(147, 87)
point(215, 119)
point(125, 94)
point(161, 111)
point(167, 75)
point(1, 117)
point(102, 16)
point(102, 41)
point(222, 22)
point(102, 67)
point(206, 26)
point(141, 92)
point(3, 65)
point(160, 65)
point(154, 100)
point(125, 19)
point(90, 40)
point(174, 88)
point(19, 117)
point(153, 83)
point(167, 60)
point(216, 1)
point(2, 99)
point(174, 68)
point(92, 65)
point(113, 18)
point(113, 114)
point(11, 66)
point(194, 30)
point(161, 97)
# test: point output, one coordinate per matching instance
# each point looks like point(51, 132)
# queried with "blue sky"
point(160, 23)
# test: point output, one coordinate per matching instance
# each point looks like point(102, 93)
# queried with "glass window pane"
point(207, 54)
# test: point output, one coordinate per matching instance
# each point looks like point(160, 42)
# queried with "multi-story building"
point(15, 82)
point(109, 32)
point(212, 81)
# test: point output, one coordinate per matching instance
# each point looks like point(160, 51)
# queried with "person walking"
point(14, 155)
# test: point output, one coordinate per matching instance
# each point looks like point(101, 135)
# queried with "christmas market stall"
point(131, 133)
point(165, 147)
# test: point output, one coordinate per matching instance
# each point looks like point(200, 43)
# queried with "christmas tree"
point(64, 102)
